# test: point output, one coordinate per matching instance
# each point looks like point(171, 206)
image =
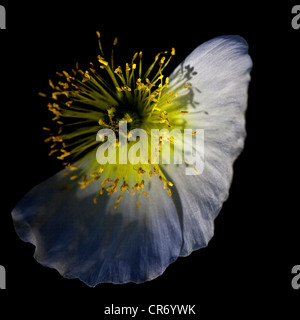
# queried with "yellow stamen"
point(141, 171)
point(102, 61)
point(95, 200)
point(51, 84)
point(132, 97)
point(52, 151)
point(169, 192)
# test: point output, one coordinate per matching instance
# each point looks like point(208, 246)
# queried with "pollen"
point(141, 171)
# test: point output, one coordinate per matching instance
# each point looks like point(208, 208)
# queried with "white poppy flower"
point(126, 222)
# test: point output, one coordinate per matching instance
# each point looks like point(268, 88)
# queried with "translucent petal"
point(98, 243)
point(218, 72)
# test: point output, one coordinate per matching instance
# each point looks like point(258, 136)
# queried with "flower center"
point(84, 103)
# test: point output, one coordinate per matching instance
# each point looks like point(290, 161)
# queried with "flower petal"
point(95, 242)
point(218, 72)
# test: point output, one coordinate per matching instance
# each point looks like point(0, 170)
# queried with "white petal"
point(98, 243)
point(218, 72)
point(218, 69)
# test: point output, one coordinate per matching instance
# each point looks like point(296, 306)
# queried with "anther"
point(141, 171)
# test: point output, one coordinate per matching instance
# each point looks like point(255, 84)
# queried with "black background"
point(249, 260)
